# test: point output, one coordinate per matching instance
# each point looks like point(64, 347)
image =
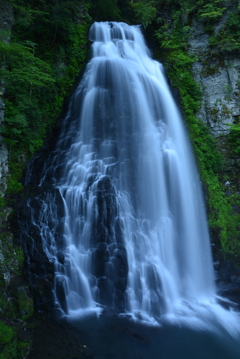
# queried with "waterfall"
point(124, 220)
point(134, 235)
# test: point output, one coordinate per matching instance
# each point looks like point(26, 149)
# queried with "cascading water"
point(129, 173)
point(125, 219)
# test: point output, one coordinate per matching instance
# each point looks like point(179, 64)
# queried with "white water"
point(125, 125)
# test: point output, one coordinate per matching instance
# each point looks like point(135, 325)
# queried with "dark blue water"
point(114, 337)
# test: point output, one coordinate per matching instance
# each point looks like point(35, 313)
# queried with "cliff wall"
point(216, 70)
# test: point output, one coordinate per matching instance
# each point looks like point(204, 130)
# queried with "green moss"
point(8, 306)
point(14, 350)
point(13, 256)
point(25, 304)
point(6, 333)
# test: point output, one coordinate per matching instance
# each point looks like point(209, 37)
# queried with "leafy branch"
point(211, 10)
point(145, 11)
point(22, 66)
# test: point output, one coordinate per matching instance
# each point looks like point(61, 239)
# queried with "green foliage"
point(228, 38)
point(25, 14)
point(212, 10)
point(22, 67)
point(203, 9)
point(47, 52)
point(234, 138)
point(24, 75)
point(10, 351)
point(145, 11)
point(12, 347)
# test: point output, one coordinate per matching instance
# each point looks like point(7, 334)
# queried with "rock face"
point(220, 104)
point(217, 71)
point(109, 253)
point(219, 78)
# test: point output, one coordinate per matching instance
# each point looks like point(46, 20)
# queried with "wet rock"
point(118, 230)
point(60, 257)
point(100, 258)
point(106, 291)
point(106, 209)
point(60, 292)
point(109, 257)
point(120, 268)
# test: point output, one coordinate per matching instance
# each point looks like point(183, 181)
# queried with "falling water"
point(134, 234)
point(130, 183)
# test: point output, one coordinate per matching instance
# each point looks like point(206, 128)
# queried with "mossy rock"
point(6, 333)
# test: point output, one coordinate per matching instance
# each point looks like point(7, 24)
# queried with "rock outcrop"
point(218, 75)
